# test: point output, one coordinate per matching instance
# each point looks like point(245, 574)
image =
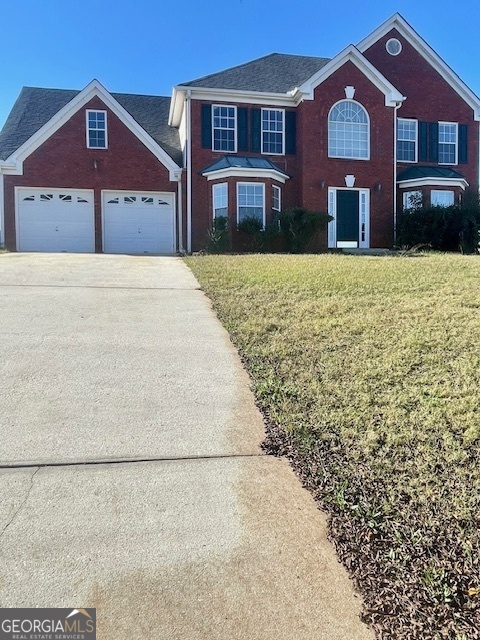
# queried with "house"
point(363, 135)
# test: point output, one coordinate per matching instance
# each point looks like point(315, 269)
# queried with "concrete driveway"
point(131, 473)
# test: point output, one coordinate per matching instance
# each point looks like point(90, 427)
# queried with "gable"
point(419, 81)
point(31, 122)
point(417, 59)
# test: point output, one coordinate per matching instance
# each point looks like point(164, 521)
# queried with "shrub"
point(300, 226)
point(217, 236)
point(261, 238)
point(454, 228)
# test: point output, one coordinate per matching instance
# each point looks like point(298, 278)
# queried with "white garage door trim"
point(71, 197)
point(114, 246)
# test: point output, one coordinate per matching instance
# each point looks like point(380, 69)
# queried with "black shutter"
point(433, 141)
point(423, 142)
point(256, 130)
point(290, 132)
point(206, 126)
point(242, 123)
point(462, 143)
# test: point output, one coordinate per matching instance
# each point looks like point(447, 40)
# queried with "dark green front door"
point(347, 216)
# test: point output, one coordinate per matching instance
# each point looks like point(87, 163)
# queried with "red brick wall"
point(429, 97)
point(202, 189)
point(317, 168)
point(64, 161)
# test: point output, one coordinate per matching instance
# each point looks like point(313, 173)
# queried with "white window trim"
point(441, 191)
point(332, 210)
point(416, 140)
point(238, 206)
point(88, 129)
point(268, 153)
point(456, 143)
point(328, 131)
point(279, 192)
point(235, 136)
point(214, 186)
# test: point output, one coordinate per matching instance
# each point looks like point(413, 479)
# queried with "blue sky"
point(147, 46)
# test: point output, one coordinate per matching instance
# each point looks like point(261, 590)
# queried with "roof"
point(36, 106)
point(419, 172)
point(242, 162)
point(275, 73)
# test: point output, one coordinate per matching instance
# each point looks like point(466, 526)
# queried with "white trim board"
point(14, 163)
point(433, 182)
point(412, 37)
point(351, 54)
point(244, 172)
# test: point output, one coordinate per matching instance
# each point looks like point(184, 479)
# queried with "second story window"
point(406, 140)
point(447, 142)
point(96, 129)
point(348, 131)
point(273, 134)
point(224, 128)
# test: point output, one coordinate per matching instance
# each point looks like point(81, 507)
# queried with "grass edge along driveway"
point(367, 370)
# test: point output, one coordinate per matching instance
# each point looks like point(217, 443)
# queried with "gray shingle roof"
point(34, 108)
point(275, 73)
point(244, 162)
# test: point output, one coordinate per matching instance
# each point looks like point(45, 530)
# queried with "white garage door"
point(55, 220)
point(138, 222)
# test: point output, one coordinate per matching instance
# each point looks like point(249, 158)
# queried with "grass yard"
point(368, 372)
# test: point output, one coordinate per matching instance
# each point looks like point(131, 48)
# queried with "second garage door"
point(138, 222)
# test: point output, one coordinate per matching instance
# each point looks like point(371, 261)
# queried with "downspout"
point(189, 171)
point(2, 210)
point(180, 214)
point(397, 107)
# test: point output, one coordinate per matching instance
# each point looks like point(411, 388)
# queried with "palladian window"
point(348, 131)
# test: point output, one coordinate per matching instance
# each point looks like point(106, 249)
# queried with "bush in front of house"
point(300, 226)
point(217, 236)
point(454, 228)
point(260, 238)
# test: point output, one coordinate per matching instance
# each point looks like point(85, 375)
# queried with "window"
point(348, 131)
point(220, 200)
point(447, 143)
point(412, 199)
point(407, 140)
point(273, 133)
point(442, 198)
point(251, 201)
point(96, 129)
point(224, 128)
point(276, 198)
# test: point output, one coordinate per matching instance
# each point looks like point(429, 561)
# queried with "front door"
point(348, 218)
point(350, 224)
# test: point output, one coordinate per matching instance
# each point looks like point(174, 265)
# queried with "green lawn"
point(368, 372)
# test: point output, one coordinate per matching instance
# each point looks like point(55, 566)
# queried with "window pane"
point(272, 131)
point(348, 131)
point(223, 128)
point(250, 201)
point(442, 198)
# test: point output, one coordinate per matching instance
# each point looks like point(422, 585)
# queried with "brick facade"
point(64, 161)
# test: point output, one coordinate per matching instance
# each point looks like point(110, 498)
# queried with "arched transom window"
point(348, 131)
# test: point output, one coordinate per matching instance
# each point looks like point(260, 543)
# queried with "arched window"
point(348, 131)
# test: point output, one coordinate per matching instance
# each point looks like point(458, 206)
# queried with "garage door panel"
point(55, 220)
point(139, 223)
